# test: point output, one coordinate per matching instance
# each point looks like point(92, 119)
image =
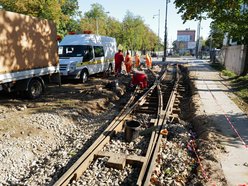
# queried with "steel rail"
point(77, 169)
point(166, 114)
point(72, 172)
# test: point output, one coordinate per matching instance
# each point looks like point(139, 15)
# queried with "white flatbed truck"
point(28, 53)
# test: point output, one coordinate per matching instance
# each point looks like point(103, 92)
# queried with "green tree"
point(131, 33)
point(62, 12)
point(228, 14)
point(137, 35)
point(68, 20)
point(130, 23)
point(113, 28)
point(38, 8)
point(215, 39)
point(175, 46)
point(95, 19)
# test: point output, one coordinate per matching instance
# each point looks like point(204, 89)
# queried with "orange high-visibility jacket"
point(128, 63)
point(137, 60)
point(148, 61)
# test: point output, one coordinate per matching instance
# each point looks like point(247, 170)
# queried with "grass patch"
point(238, 83)
point(228, 73)
point(220, 67)
point(243, 94)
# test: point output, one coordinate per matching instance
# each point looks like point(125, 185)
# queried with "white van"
point(86, 54)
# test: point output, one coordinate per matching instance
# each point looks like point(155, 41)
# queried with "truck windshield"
point(74, 50)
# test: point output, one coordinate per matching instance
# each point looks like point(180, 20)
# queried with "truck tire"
point(84, 76)
point(35, 89)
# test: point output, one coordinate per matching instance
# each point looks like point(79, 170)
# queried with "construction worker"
point(119, 58)
point(148, 60)
point(137, 60)
point(128, 62)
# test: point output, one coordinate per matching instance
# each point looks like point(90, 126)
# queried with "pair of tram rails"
point(161, 103)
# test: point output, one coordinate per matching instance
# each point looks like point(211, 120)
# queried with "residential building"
point(186, 41)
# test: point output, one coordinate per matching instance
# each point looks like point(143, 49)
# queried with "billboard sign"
point(191, 45)
point(183, 37)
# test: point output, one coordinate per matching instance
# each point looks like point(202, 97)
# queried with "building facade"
point(186, 41)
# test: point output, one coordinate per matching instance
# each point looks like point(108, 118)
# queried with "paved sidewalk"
point(228, 117)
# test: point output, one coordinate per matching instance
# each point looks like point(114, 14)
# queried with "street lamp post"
point(165, 31)
point(158, 26)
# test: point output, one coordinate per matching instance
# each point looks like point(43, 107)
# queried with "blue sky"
point(146, 9)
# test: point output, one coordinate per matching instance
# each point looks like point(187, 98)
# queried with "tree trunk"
point(245, 71)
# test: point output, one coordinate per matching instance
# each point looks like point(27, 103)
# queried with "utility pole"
point(165, 30)
point(97, 25)
point(211, 45)
point(158, 26)
point(97, 22)
point(198, 39)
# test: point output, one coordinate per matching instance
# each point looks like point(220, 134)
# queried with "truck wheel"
point(35, 89)
point(84, 76)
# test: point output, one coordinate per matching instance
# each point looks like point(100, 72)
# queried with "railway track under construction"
point(141, 124)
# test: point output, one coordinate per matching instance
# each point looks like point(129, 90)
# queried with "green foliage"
point(228, 73)
point(131, 25)
point(225, 72)
point(95, 19)
point(67, 23)
point(240, 85)
point(61, 12)
point(174, 46)
point(215, 40)
point(70, 8)
point(97, 11)
point(131, 33)
point(38, 8)
point(243, 93)
point(113, 28)
point(228, 15)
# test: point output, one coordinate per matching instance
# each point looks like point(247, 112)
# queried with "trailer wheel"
point(84, 76)
point(35, 89)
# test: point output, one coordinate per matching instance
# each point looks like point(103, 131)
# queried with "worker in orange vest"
point(128, 62)
point(119, 58)
point(148, 61)
point(137, 60)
